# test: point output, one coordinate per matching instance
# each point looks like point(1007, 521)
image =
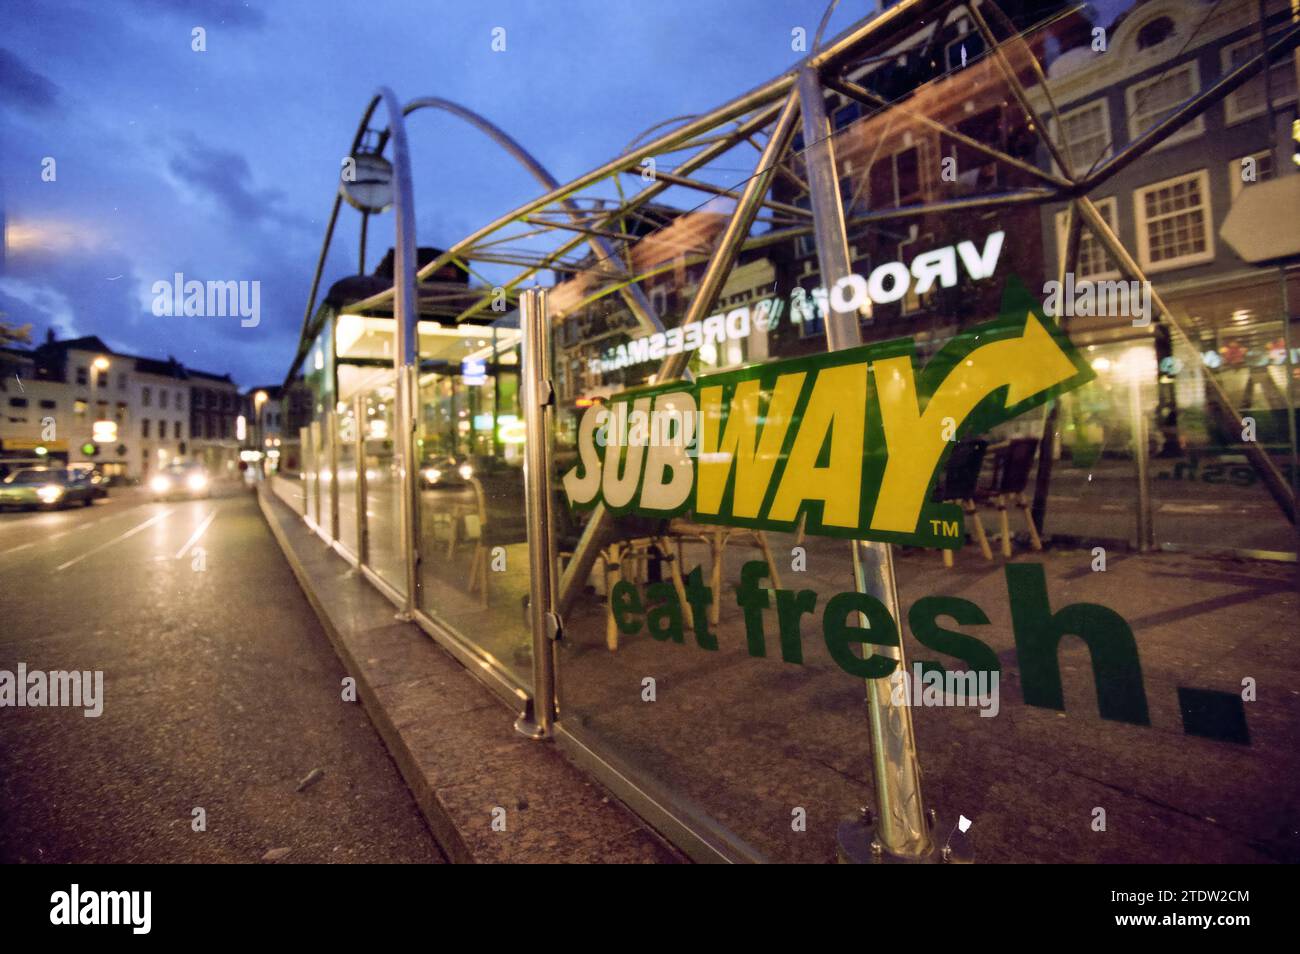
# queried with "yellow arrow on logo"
point(1029, 364)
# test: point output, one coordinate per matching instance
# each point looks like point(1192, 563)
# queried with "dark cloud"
point(24, 87)
point(224, 176)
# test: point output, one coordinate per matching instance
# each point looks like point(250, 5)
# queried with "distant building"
point(264, 419)
point(77, 400)
point(215, 406)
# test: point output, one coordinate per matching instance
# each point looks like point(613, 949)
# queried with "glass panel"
point(475, 573)
point(1207, 490)
point(347, 476)
point(383, 481)
point(711, 659)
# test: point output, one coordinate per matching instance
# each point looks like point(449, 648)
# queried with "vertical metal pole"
point(902, 828)
point(1138, 424)
point(361, 255)
point(359, 442)
point(539, 409)
point(332, 422)
point(406, 354)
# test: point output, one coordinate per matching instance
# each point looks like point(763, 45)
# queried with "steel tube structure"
point(538, 397)
point(729, 243)
point(901, 828)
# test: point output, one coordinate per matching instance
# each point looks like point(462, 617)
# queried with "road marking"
point(197, 534)
point(72, 529)
point(118, 539)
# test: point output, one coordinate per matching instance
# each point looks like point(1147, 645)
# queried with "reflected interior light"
point(1101, 365)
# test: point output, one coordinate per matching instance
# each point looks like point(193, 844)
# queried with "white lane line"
point(72, 529)
point(197, 534)
point(118, 539)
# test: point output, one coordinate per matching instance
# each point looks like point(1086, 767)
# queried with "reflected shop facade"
point(940, 463)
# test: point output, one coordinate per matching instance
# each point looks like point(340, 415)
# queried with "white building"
point(78, 400)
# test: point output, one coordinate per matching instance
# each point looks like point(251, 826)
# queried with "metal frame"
point(902, 831)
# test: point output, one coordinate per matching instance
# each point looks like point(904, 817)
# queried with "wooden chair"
point(959, 484)
point(626, 555)
point(1013, 462)
point(716, 538)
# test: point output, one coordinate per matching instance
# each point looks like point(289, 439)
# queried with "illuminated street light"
point(100, 363)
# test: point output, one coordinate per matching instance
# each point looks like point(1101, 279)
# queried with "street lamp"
point(259, 399)
point(100, 363)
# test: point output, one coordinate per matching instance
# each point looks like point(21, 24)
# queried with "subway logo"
point(848, 442)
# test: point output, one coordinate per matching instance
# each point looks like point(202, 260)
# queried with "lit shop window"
point(1173, 222)
point(79, 407)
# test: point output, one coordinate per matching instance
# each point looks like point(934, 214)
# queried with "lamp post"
point(258, 400)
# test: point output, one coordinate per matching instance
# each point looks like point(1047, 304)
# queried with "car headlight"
point(196, 481)
point(50, 493)
point(432, 474)
point(465, 471)
point(160, 484)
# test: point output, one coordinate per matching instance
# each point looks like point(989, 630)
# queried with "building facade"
point(79, 401)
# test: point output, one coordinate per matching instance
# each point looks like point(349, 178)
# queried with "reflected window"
point(1173, 222)
point(1155, 33)
point(1085, 134)
point(1093, 261)
point(1153, 99)
point(1259, 165)
point(1248, 100)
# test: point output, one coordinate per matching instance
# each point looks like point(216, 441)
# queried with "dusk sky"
point(222, 164)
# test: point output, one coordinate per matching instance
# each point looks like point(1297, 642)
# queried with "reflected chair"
point(499, 498)
point(1013, 461)
point(633, 542)
point(684, 530)
point(959, 484)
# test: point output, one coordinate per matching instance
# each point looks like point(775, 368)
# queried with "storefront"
point(964, 367)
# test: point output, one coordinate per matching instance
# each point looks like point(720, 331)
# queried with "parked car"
point(47, 487)
point(180, 480)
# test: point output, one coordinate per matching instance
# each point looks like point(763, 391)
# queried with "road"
point(221, 693)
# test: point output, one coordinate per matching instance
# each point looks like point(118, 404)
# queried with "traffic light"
point(90, 449)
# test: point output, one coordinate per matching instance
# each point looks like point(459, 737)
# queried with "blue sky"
point(222, 164)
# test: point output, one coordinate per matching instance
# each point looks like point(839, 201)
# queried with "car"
point(180, 480)
point(98, 482)
point(438, 472)
point(46, 488)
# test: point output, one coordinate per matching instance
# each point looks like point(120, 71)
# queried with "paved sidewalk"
point(452, 738)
